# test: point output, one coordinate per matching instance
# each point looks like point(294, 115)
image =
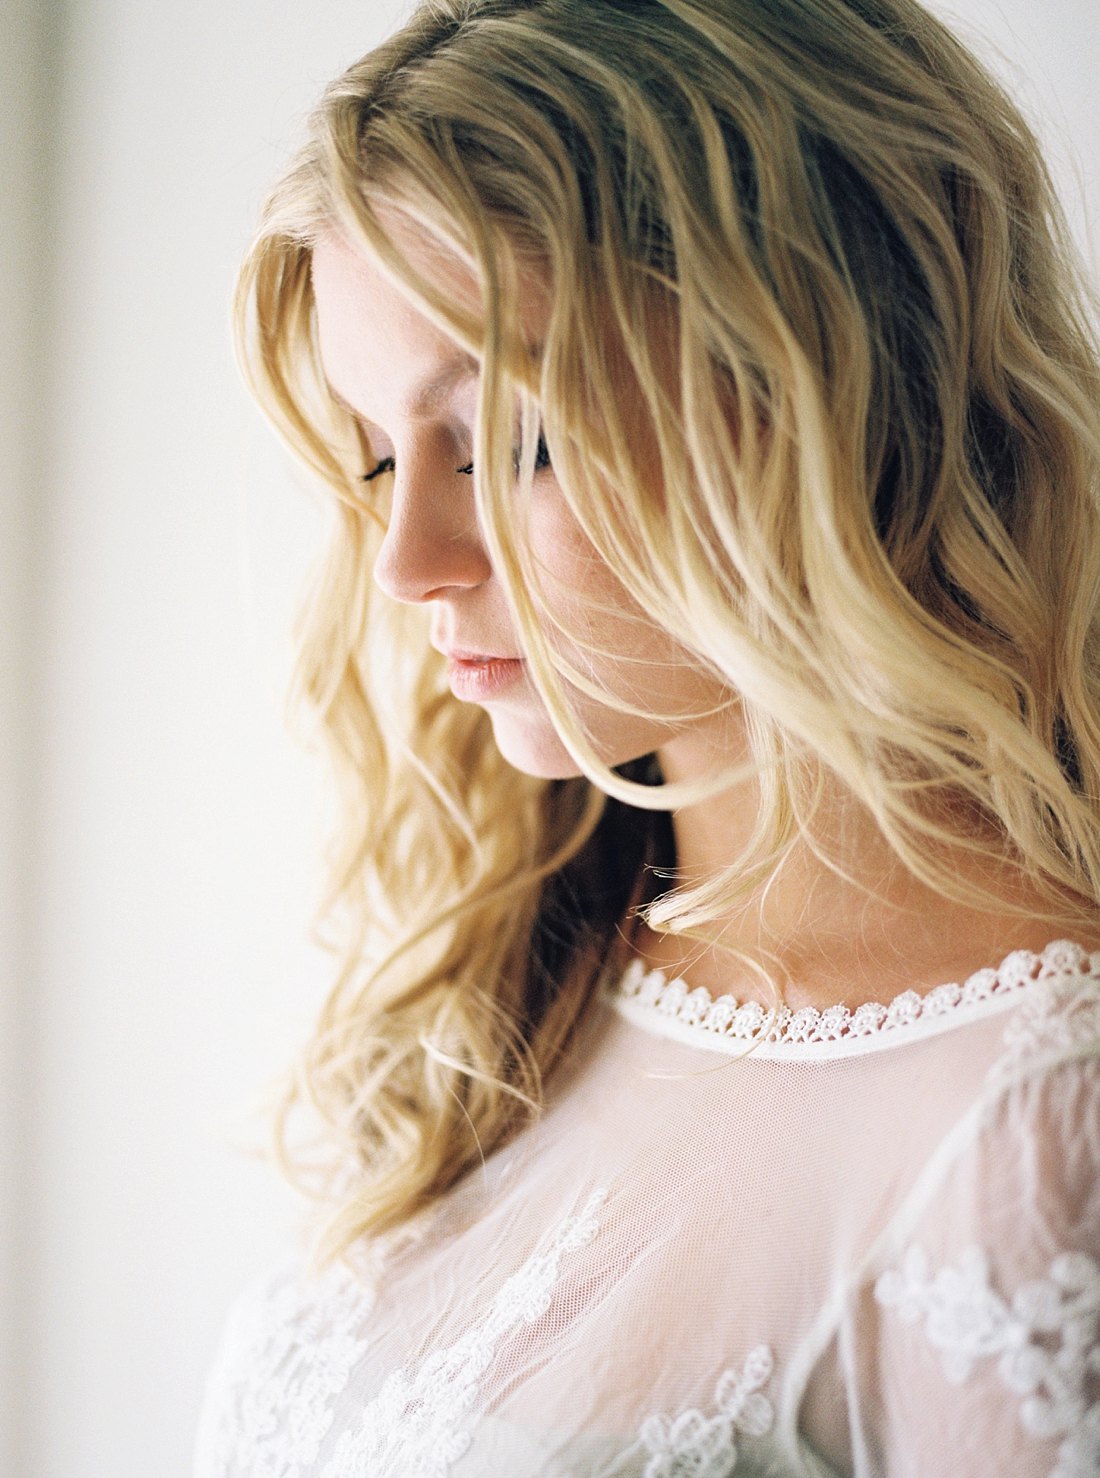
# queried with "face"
point(379, 353)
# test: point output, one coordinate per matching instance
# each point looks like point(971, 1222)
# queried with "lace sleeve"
point(988, 1314)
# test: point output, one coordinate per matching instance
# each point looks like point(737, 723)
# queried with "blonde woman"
point(707, 648)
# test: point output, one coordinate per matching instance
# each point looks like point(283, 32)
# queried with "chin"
point(546, 758)
point(543, 755)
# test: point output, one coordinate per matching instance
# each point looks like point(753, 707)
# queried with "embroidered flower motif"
point(834, 1023)
point(943, 999)
point(965, 1320)
point(696, 1446)
point(720, 1014)
point(904, 1008)
point(867, 1019)
point(804, 1024)
point(738, 1396)
point(1059, 1019)
point(695, 1006)
point(689, 1447)
point(672, 998)
point(747, 1020)
point(650, 986)
point(417, 1422)
point(296, 1345)
point(1047, 1340)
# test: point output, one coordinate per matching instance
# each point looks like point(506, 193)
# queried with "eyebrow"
point(428, 395)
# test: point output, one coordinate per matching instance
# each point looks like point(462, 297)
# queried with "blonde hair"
point(866, 499)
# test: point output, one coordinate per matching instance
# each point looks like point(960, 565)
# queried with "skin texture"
point(867, 936)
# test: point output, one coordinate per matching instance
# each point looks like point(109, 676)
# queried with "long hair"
point(851, 462)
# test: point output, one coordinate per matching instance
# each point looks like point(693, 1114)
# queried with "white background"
point(159, 832)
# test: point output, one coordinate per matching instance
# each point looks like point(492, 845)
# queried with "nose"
point(432, 543)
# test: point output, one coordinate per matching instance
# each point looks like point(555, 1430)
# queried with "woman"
point(708, 652)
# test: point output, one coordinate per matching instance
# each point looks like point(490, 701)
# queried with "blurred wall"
point(158, 834)
point(24, 161)
point(157, 892)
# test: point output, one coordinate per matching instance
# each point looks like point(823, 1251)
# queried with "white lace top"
point(871, 1247)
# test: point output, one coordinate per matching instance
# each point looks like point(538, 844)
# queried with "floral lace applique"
point(416, 1425)
point(1047, 1340)
point(694, 1445)
point(1062, 1020)
point(296, 1347)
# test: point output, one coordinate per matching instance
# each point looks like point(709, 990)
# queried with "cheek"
point(632, 661)
point(575, 583)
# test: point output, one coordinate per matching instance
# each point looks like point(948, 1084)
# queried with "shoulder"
point(1058, 1018)
point(1024, 1162)
point(988, 1302)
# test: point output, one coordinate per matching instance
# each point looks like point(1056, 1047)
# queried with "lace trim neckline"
point(670, 1008)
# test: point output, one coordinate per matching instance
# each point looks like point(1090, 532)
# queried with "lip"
point(479, 679)
point(462, 654)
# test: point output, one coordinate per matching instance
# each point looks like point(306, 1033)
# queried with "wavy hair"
point(822, 249)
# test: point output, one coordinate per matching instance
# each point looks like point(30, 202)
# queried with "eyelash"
point(542, 461)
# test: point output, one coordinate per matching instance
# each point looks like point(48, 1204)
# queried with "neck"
point(864, 928)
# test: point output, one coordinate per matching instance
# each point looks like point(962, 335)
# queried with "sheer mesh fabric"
point(869, 1250)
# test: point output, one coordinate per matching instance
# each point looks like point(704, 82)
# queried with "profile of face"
point(415, 391)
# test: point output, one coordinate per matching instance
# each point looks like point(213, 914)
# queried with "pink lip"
point(478, 679)
point(457, 654)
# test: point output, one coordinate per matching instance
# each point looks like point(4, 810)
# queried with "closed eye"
point(387, 464)
point(542, 461)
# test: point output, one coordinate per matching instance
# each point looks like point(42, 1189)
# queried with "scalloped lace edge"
point(747, 1021)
